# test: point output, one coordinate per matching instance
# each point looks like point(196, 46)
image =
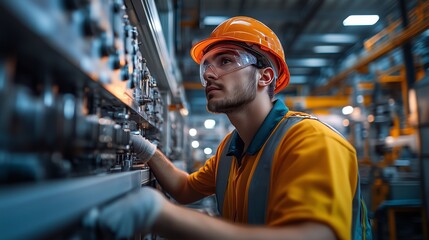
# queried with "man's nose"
point(210, 73)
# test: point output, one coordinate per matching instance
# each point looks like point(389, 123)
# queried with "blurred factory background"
point(77, 77)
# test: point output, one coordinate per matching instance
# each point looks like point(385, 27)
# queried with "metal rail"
point(36, 210)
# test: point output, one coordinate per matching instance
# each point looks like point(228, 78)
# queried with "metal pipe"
point(406, 48)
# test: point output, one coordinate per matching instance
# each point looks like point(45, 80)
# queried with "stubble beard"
point(234, 102)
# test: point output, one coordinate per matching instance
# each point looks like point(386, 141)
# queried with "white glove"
point(143, 148)
point(134, 213)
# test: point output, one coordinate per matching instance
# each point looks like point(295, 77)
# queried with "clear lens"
point(221, 61)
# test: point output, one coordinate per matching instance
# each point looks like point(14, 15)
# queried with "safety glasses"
point(223, 60)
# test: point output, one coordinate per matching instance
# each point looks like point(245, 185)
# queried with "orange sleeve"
point(204, 180)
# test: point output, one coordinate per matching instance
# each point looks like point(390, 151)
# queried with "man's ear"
point(267, 76)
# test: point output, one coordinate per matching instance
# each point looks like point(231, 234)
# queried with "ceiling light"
point(208, 151)
point(308, 62)
point(327, 49)
point(193, 132)
point(184, 112)
point(209, 123)
point(360, 20)
point(347, 110)
point(330, 38)
point(214, 20)
point(195, 144)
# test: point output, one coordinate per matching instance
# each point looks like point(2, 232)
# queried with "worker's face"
point(223, 60)
point(229, 78)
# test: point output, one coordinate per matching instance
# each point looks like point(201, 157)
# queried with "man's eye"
point(225, 61)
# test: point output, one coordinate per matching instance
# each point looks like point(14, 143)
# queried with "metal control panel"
point(76, 81)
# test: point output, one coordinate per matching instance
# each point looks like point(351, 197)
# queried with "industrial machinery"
point(387, 87)
point(423, 133)
point(77, 78)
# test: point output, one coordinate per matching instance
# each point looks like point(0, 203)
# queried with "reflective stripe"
point(356, 214)
point(222, 177)
point(258, 189)
point(263, 170)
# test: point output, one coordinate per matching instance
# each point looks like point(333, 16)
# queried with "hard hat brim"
point(197, 51)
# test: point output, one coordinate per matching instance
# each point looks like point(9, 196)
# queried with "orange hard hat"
point(251, 31)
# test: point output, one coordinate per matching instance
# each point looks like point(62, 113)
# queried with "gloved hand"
point(134, 213)
point(144, 149)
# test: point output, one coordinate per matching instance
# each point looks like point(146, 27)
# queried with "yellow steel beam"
point(321, 102)
point(317, 102)
point(366, 85)
point(390, 79)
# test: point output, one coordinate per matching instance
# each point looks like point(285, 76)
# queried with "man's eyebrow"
point(226, 51)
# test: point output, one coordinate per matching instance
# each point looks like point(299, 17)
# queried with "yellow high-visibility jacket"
point(313, 175)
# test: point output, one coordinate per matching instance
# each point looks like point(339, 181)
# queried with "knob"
point(125, 75)
point(115, 60)
point(91, 27)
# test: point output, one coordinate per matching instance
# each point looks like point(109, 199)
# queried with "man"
point(313, 173)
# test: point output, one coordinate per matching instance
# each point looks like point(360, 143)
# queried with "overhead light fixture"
point(184, 112)
point(209, 123)
point(193, 132)
point(327, 49)
point(214, 20)
point(330, 38)
point(195, 144)
point(308, 62)
point(347, 110)
point(360, 20)
point(208, 151)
